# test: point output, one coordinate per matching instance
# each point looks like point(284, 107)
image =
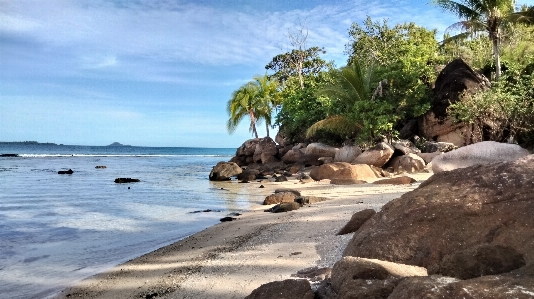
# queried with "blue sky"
point(158, 72)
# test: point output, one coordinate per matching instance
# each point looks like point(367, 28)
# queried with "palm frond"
point(335, 124)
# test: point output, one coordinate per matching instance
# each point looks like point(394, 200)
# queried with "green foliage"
point(301, 108)
point(402, 58)
point(508, 107)
point(304, 62)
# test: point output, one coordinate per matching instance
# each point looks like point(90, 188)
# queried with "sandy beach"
point(231, 259)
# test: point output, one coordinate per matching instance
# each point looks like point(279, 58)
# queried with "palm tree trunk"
point(253, 122)
point(267, 128)
point(495, 40)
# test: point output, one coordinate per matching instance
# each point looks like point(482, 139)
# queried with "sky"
point(159, 72)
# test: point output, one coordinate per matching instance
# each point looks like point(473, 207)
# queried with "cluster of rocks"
point(262, 158)
point(463, 233)
point(286, 200)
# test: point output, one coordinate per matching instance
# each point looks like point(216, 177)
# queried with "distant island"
point(26, 143)
point(118, 144)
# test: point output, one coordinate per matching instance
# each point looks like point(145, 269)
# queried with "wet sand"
point(230, 259)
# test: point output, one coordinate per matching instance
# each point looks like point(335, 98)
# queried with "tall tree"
point(243, 103)
point(256, 99)
point(488, 16)
point(268, 98)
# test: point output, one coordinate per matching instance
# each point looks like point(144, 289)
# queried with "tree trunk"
point(495, 40)
point(253, 122)
point(267, 128)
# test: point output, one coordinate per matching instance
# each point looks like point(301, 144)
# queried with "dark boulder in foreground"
point(223, 171)
point(453, 211)
point(286, 289)
point(65, 171)
point(126, 180)
point(518, 284)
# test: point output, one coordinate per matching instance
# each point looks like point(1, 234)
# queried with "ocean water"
point(58, 229)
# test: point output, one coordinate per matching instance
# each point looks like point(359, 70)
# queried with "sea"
point(57, 229)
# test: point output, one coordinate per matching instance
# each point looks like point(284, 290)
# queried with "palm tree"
point(243, 103)
point(256, 99)
point(488, 16)
point(268, 98)
point(351, 84)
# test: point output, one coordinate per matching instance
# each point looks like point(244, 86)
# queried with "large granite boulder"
point(286, 289)
point(479, 153)
point(347, 154)
point(265, 151)
point(405, 147)
point(248, 147)
point(408, 163)
point(355, 278)
point(321, 150)
point(454, 211)
point(342, 170)
point(280, 197)
point(377, 156)
point(454, 81)
point(223, 171)
point(292, 156)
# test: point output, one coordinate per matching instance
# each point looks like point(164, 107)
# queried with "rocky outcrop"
point(342, 170)
point(454, 211)
point(223, 171)
point(321, 150)
point(356, 221)
point(265, 151)
point(347, 154)
point(479, 153)
point(455, 80)
point(286, 289)
point(377, 156)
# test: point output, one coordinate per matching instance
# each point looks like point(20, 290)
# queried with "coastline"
point(230, 259)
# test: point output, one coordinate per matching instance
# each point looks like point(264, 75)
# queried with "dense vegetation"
point(389, 77)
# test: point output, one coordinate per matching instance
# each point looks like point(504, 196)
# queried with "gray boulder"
point(347, 154)
point(481, 153)
point(321, 150)
point(223, 171)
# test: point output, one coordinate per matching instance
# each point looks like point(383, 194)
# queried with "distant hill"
point(26, 143)
point(118, 144)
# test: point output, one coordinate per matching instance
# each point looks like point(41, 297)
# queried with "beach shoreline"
point(230, 259)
